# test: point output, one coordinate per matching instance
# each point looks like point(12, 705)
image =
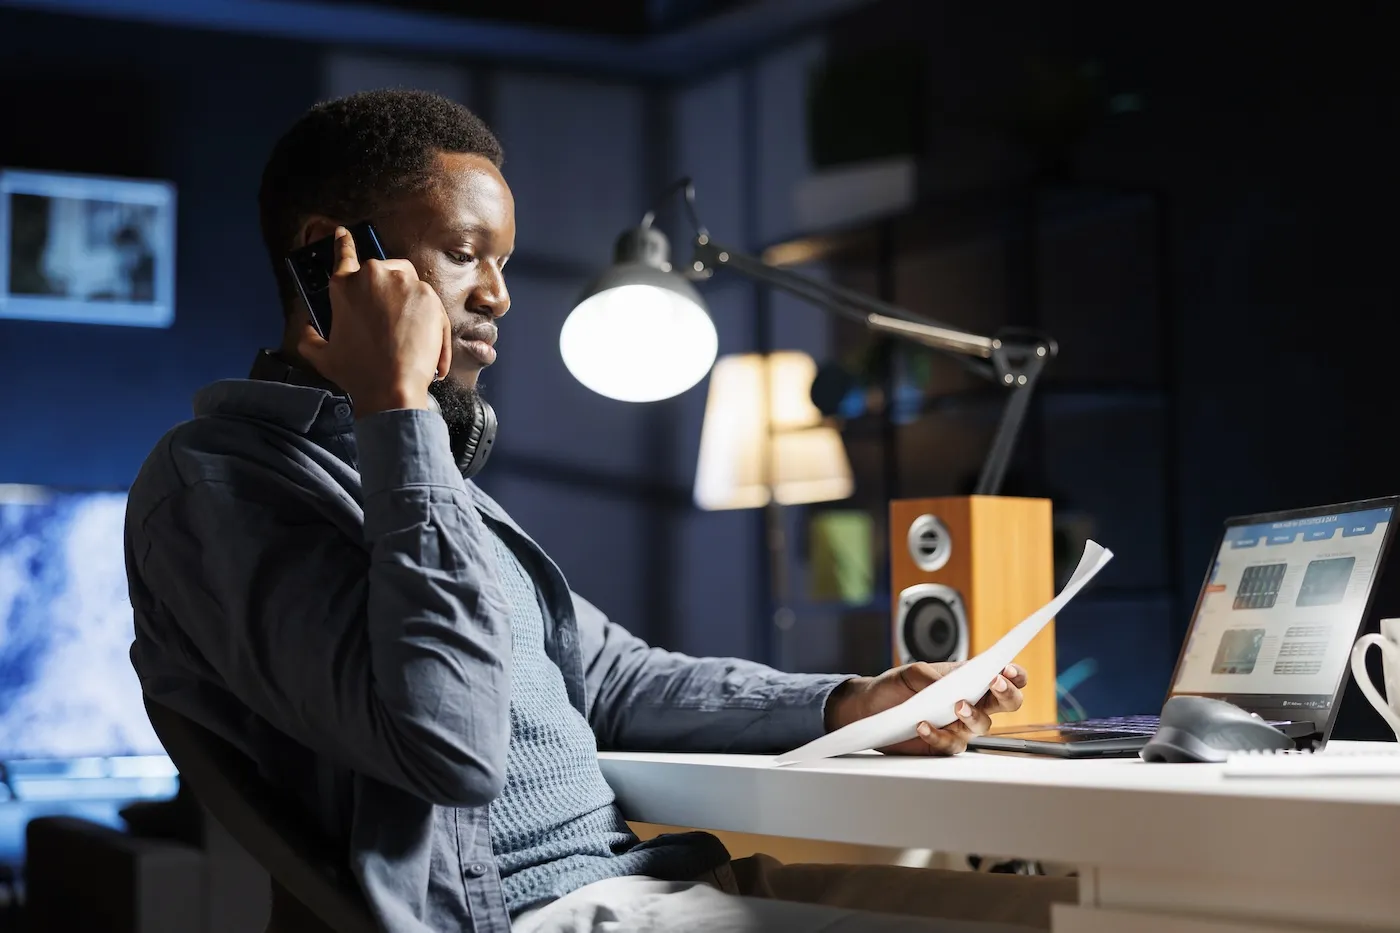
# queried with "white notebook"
point(1381, 761)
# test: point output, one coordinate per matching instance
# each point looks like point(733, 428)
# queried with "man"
point(314, 580)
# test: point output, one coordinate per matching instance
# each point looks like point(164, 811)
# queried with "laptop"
point(1272, 631)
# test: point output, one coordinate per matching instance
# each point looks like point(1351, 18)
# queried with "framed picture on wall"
point(87, 249)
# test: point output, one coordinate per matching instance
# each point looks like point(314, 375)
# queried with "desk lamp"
point(640, 332)
point(964, 569)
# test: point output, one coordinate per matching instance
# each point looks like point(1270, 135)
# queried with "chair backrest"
point(294, 854)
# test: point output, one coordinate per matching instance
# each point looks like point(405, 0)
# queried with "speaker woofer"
point(932, 624)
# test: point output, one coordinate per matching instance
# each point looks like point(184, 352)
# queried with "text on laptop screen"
point(67, 688)
point(1283, 605)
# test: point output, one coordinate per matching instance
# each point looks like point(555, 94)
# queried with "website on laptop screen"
point(1282, 608)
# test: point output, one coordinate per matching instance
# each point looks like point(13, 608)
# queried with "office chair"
point(312, 890)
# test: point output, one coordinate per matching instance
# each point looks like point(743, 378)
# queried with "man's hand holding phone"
point(391, 338)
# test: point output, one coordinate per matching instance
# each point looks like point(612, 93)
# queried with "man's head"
point(426, 172)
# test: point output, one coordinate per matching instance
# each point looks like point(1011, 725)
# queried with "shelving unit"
point(1085, 264)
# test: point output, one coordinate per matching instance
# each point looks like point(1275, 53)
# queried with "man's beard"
point(458, 405)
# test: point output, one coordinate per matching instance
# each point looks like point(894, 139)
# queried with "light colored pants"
point(759, 894)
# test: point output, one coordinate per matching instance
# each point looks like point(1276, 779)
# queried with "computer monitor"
point(67, 687)
point(87, 249)
point(1283, 603)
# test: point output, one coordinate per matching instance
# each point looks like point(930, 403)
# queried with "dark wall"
point(1272, 138)
point(1268, 133)
point(1265, 137)
point(82, 405)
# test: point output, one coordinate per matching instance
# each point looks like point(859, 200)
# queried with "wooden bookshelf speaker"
point(964, 570)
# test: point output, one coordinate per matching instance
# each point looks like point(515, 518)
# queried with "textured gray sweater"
point(555, 827)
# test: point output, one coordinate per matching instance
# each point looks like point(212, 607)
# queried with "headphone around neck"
point(476, 445)
point(481, 436)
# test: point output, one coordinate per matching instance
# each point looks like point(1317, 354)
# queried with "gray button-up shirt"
point(321, 592)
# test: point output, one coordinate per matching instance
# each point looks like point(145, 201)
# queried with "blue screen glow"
point(67, 688)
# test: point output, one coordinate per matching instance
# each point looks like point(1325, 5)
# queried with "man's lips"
point(477, 341)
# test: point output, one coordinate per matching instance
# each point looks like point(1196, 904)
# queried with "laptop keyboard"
point(1147, 725)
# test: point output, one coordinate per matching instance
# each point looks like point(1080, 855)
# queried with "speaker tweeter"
point(930, 544)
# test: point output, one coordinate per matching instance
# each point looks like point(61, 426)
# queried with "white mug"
point(1388, 640)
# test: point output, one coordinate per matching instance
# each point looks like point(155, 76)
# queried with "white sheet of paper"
point(936, 702)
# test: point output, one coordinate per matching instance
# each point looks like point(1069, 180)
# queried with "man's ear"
point(316, 227)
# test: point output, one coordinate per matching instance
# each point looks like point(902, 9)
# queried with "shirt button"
point(477, 870)
point(342, 411)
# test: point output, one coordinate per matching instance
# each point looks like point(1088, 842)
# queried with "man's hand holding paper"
point(956, 701)
point(865, 696)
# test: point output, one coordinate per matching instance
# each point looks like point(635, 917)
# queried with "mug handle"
point(1363, 680)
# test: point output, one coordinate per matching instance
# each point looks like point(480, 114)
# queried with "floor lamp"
point(765, 445)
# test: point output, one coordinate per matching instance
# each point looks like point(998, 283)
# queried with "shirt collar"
point(277, 392)
point(299, 401)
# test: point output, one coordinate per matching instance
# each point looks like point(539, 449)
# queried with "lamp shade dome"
point(639, 333)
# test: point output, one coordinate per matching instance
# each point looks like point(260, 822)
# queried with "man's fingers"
point(347, 260)
point(445, 354)
point(929, 740)
point(310, 345)
point(948, 741)
point(1003, 697)
point(919, 675)
point(1015, 674)
point(975, 718)
point(401, 268)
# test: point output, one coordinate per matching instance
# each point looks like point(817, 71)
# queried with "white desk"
point(1161, 848)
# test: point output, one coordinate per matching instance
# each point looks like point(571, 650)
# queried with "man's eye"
point(461, 259)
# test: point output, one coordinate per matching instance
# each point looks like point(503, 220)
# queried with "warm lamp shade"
point(763, 440)
point(639, 334)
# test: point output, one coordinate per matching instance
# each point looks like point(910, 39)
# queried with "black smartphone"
point(311, 267)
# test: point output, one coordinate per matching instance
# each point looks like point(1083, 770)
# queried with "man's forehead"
point(472, 193)
point(465, 171)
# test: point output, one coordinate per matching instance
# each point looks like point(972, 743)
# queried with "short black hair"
point(345, 157)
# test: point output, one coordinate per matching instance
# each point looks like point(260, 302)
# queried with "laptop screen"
point(1284, 602)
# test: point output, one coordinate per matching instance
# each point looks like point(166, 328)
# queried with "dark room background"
point(1196, 202)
